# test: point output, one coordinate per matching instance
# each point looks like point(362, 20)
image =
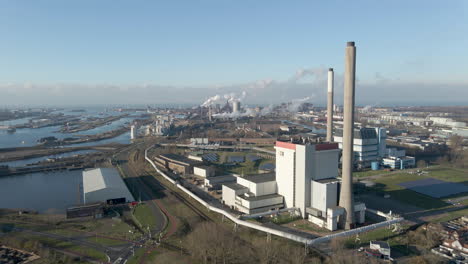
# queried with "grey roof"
point(258, 178)
point(235, 186)
point(382, 244)
point(262, 197)
point(327, 180)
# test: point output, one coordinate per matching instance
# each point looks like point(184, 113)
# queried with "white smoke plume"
point(294, 105)
point(230, 97)
point(318, 73)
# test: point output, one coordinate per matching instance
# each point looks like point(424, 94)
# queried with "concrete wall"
point(304, 173)
point(229, 195)
point(266, 188)
point(203, 172)
point(324, 195)
point(260, 203)
point(326, 164)
point(285, 173)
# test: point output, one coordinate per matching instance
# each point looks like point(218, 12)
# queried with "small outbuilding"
point(204, 171)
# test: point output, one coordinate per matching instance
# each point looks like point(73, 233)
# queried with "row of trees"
point(213, 243)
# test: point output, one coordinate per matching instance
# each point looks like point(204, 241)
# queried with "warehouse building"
point(253, 194)
point(104, 185)
point(176, 163)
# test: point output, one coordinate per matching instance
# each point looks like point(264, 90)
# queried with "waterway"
point(313, 128)
point(24, 162)
point(49, 193)
point(26, 137)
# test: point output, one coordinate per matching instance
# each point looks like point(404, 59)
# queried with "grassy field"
point(244, 168)
point(68, 246)
point(105, 241)
point(367, 173)
point(145, 216)
point(450, 216)
point(389, 184)
point(305, 225)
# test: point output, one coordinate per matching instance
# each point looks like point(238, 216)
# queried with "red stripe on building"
point(287, 145)
point(326, 146)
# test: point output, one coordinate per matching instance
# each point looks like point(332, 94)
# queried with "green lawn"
point(145, 216)
point(449, 174)
point(105, 241)
point(369, 173)
point(450, 216)
point(389, 184)
point(137, 257)
point(69, 246)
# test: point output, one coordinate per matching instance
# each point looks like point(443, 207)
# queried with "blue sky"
point(228, 43)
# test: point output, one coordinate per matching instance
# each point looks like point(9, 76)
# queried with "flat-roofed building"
point(104, 185)
point(253, 194)
point(177, 163)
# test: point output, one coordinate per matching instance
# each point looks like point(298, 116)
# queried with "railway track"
point(182, 199)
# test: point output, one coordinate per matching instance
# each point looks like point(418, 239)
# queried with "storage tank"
point(375, 165)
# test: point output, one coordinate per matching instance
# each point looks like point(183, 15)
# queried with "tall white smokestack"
point(132, 132)
point(330, 106)
point(235, 106)
point(346, 194)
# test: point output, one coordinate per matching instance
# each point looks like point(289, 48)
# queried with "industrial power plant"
point(306, 177)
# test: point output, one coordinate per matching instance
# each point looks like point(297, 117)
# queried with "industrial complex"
point(306, 173)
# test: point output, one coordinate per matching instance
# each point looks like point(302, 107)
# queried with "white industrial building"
point(399, 162)
point(306, 174)
point(253, 194)
point(103, 184)
point(369, 145)
point(204, 171)
point(306, 179)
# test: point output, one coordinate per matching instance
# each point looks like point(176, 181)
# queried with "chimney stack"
point(330, 106)
point(346, 195)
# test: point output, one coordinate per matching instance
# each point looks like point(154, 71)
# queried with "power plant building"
point(306, 174)
point(104, 185)
point(369, 145)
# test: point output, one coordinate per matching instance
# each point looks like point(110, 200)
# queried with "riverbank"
point(21, 153)
point(90, 123)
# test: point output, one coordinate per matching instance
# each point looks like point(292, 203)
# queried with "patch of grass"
point(284, 219)
point(105, 241)
point(145, 216)
point(449, 174)
point(138, 255)
point(369, 173)
point(389, 184)
point(450, 216)
point(312, 227)
point(69, 246)
point(110, 227)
